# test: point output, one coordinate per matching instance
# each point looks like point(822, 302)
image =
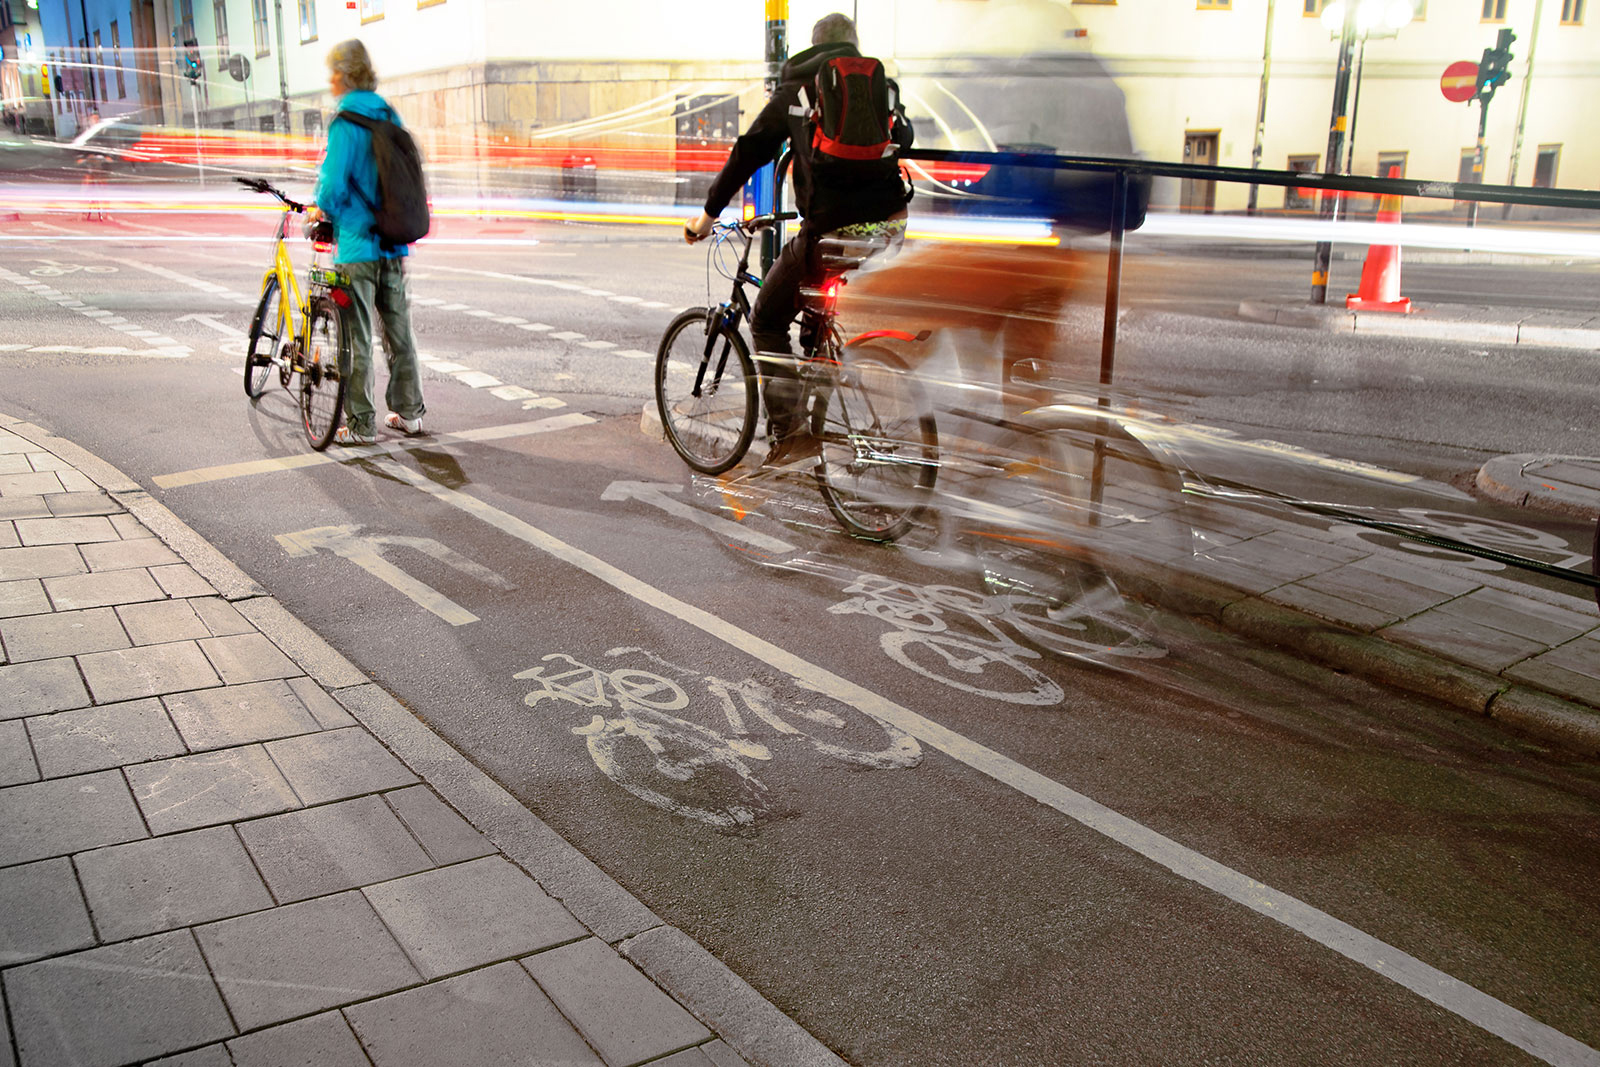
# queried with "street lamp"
point(1374, 18)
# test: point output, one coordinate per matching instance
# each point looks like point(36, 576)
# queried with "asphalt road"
point(702, 711)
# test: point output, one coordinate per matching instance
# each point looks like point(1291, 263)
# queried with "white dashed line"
point(535, 327)
point(477, 379)
point(567, 335)
point(634, 353)
point(448, 368)
point(452, 307)
point(512, 392)
point(598, 345)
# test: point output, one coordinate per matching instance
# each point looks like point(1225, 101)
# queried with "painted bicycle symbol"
point(52, 269)
point(690, 769)
point(983, 658)
point(1473, 530)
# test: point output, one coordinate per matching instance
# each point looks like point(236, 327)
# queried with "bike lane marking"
point(1466, 1001)
point(161, 346)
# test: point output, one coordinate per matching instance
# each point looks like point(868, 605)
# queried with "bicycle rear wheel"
point(880, 446)
point(706, 391)
point(322, 376)
point(264, 341)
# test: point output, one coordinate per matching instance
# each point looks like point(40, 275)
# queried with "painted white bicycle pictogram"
point(982, 658)
point(53, 269)
point(687, 768)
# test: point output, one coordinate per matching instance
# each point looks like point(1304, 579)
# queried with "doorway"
point(1200, 149)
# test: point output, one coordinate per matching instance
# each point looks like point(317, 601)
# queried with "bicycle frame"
point(292, 300)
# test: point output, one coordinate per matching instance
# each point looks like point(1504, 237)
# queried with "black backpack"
point(852, 115)
point(401, 214)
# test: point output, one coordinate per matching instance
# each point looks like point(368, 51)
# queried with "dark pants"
point(797, 265)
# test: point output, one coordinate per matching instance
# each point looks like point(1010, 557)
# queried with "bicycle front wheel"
point(326, 356)
point(264, 341)
point(880, 446)
point(706, 391)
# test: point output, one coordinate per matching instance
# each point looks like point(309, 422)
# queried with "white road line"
point(567, 335)
point(1471, 1004)
point(477, 379)
point(598, 345)
point(633, 353)
point(225, 471)
point(447, 368)
point(479, 313)
point(536, 327)
point(452, 307)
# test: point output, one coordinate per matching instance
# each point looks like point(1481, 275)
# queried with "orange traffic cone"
point(1380, 274)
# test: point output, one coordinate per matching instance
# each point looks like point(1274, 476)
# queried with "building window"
point(308, 20)
point(1572, 12)
point(100, 65)
point(116, 58)
point(220, 8)
point(1298, 199)
point(1544, 167)
point(263, 37)
point(371, 10)
point(186, 21)
point(1312, 9)
point(1214, 5)
point(1094, 1)
point(1391, 160)
point(1494, 10)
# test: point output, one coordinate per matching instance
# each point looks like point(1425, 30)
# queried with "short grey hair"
point(350, 59)
point(834, 29)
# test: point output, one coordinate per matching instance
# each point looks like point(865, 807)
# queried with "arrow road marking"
point(658, 494)
point(367, 553)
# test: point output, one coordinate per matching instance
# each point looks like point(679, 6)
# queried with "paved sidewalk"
point(1565, 485)
point(222, 846)
point(1466, 323)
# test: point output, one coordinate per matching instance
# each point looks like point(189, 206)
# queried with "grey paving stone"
point(1327, 606)
point(70, 504)
point(471, 914)
point(446, 836)
point(122, 555)
point(40, 687)
point(239, 715)
point(338, 764)
point(93, 739)
point(1418, 574)
point(1571, 670)
point(321, 1041)
point(161, 621)
point(36, 483)
point(8, 535)
point(1521, 615)
point(129, 528)
point(1463, 640)
point(247, 658)
point(151, 670)
point(489, 1018)
point(163, 883)
point(220, 617)
point(115, 1005)
point(689, 1057)
point(623, 1014)
point(77, 482)
point(14, 463)
point(303, 958)
point(181, 580)
point(210, 1056)
point(16, 756)
point(47, 461)
point(102, 589)
point(66, 531)
point(25, 597)
point(66, 633)
point(326, 710)
point(46, 562)
point(23, 507)
point(326, 849)
point(1361, 585)
point(41, 912)
point(66, 815)
point(721, 1055)
point(210, 788)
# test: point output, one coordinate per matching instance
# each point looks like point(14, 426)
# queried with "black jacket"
point(875, 191)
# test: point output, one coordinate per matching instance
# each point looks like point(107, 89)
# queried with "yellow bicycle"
point(319, 349)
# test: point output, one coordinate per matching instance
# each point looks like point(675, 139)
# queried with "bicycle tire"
point(322, 377)
point(880, 446)
point(258, 363)
point(709, 427)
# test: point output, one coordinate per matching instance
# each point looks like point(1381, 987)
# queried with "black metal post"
point(1335, 154)
point(1108, 334)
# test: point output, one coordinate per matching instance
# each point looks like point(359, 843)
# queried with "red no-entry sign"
point(1460, 81)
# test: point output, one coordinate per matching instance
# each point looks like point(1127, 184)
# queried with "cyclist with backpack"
point(842, 116)
point(370, 188)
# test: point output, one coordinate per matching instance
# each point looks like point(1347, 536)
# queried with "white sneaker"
point(409, 427)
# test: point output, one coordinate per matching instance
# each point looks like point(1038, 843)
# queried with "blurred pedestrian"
point(348, 195)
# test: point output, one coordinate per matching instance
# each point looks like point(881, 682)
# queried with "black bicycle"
point(879, 440)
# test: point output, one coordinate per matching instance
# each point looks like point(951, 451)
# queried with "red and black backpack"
point(852, 113)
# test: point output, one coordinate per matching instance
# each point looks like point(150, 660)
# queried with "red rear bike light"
point(341, 297)
point(323, 247)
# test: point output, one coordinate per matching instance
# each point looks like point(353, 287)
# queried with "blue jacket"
point(350, 173)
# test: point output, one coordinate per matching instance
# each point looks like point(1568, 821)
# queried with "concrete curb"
point(746, 1021)
point(1565, 723)
point(1504, 478)
point(1337, 319)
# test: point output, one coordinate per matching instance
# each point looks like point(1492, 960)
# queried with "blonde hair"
point(350, 59)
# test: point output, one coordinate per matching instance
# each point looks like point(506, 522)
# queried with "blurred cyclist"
point(859, 198)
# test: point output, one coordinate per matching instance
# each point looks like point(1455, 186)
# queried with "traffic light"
point(192, 67)
point(1493, 71)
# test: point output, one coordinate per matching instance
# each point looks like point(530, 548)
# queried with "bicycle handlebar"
point(261, 185)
